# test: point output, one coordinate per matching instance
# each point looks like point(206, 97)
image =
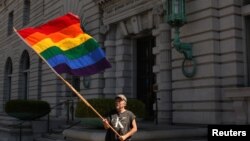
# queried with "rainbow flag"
point(65, 46)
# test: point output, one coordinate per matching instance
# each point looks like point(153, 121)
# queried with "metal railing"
point(70, 111)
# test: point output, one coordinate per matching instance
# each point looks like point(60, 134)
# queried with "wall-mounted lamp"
point(176, 17)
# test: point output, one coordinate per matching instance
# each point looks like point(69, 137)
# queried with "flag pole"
point(70, 86)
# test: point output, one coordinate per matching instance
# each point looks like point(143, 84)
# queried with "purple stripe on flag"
point(92, 69)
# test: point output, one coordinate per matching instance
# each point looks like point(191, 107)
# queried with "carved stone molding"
point(158, 10)
point(2, 2)
point(123, 28)
point(100, 2)
point(136, 24)
point(117, 10)
point(104, 29)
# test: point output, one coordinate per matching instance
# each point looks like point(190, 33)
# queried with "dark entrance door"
point(145, 76)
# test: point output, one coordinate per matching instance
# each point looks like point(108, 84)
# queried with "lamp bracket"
point(186, 50)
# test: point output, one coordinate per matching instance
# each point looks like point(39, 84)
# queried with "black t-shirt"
point(122, 123)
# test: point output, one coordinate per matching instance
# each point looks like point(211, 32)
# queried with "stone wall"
point(214, 29)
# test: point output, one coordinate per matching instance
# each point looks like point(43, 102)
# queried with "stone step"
point(56, 132)
point(12, 125)
point(7, 120)
point(4, 139)
point(183, 140)
point(43, 139)
point(161, 134)
point(50, 137)
point(53, 136)
point(65, 126)
point(46, 139)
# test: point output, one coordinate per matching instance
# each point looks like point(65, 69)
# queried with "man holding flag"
point(122, 120)
point(66, 48)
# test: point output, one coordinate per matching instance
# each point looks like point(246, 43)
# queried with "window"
point(247, 23)
point(10, 23)
point(39, 89)
point(246, 2)
point(24, 76)
point(7, 81)
point(26, 12)
point(76, 84)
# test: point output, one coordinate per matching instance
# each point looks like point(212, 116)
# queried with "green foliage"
point(27, 109)
point(104, 106)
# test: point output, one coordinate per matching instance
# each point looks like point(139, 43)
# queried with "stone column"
point(123, 61)
point(162, 69)
point(109, 74)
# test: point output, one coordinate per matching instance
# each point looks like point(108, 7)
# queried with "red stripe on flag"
point(52, 26)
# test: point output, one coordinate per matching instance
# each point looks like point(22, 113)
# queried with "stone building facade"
point(145, 66)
